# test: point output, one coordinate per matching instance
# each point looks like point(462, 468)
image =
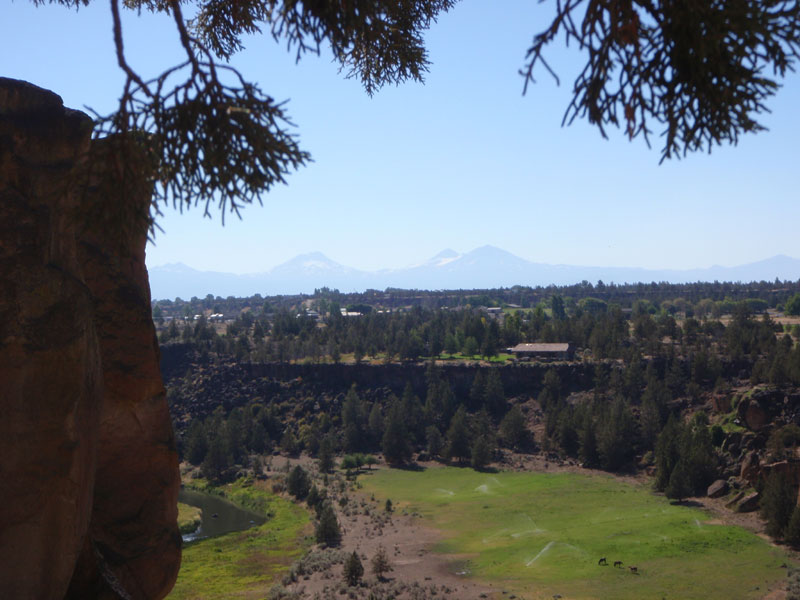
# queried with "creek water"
point(219, 515)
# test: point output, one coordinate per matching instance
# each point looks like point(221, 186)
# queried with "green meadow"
point(540, 534)
point(245, 564)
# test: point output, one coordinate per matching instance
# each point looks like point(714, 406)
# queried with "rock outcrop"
point(717, 489)
point(89, 470)
point(50, 370)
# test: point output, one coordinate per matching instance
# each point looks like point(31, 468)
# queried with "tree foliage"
point(778, 502)
point(353, 569)
point(701, 70)
point(380, 562)
point(327, 530)
point(212, 135)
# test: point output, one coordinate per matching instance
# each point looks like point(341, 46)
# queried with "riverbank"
point(247, 563)
point(189, 518)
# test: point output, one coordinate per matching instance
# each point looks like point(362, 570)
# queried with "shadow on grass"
point(409, 467)
point(689, 503)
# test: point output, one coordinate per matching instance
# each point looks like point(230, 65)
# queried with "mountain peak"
point(446, 253)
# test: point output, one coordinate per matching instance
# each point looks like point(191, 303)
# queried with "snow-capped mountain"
point(484, 267)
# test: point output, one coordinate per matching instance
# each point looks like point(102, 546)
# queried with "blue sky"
point(461, 161)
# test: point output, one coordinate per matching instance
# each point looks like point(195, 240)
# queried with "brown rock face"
point(50, 374)
point(89, 471)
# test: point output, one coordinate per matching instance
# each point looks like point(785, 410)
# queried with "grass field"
point(245, 564)
point(542, 534)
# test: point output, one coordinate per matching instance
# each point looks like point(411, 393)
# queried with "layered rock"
point(89, 468)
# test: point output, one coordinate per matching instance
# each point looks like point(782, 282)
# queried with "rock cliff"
point(89, 469)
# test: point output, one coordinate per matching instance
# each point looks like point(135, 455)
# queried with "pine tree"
point(353, 569)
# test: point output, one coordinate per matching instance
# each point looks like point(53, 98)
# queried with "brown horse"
point(618, 563)
point(634, 570)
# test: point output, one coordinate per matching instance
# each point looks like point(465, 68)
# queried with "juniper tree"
point(327, 530)
point(353, 569)
point(380, 563)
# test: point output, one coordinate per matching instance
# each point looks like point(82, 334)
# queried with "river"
point(219, 515)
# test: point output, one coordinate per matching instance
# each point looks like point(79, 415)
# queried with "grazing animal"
point(602, 561)
point(618, 563)
point(634, 570)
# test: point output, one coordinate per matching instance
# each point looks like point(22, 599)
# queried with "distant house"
point(560, 351)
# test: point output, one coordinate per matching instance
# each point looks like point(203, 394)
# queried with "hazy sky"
point(461, 161)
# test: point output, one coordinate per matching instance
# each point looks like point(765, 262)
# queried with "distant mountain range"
point(485, 267)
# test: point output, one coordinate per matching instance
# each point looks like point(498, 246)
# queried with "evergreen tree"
point(495, 398)
point(679, 486)
point(380, 563)
point(353, 569)
point(435, 442)
point(778, 502)
point(588, 451)
point(395, 437)
point(513, 431)
point(458, 445)
point(325, 455)
point(477, 392)
point(481, 453)
point(654, 412)
point(375, 424)
point(313, 497)
point(616, 436)
point(298, 483)
point(217, 460)
point(196, 446)
point(792, 532)
point(667, 452)
point(353, 421)
point(327, 531)
point(289, 443)
point(412, 409)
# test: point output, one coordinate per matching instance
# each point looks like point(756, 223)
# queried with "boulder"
point(751, 467)
point(717, 489)
point(749, 503)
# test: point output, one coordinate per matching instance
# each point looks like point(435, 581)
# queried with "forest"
point(661, 382)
